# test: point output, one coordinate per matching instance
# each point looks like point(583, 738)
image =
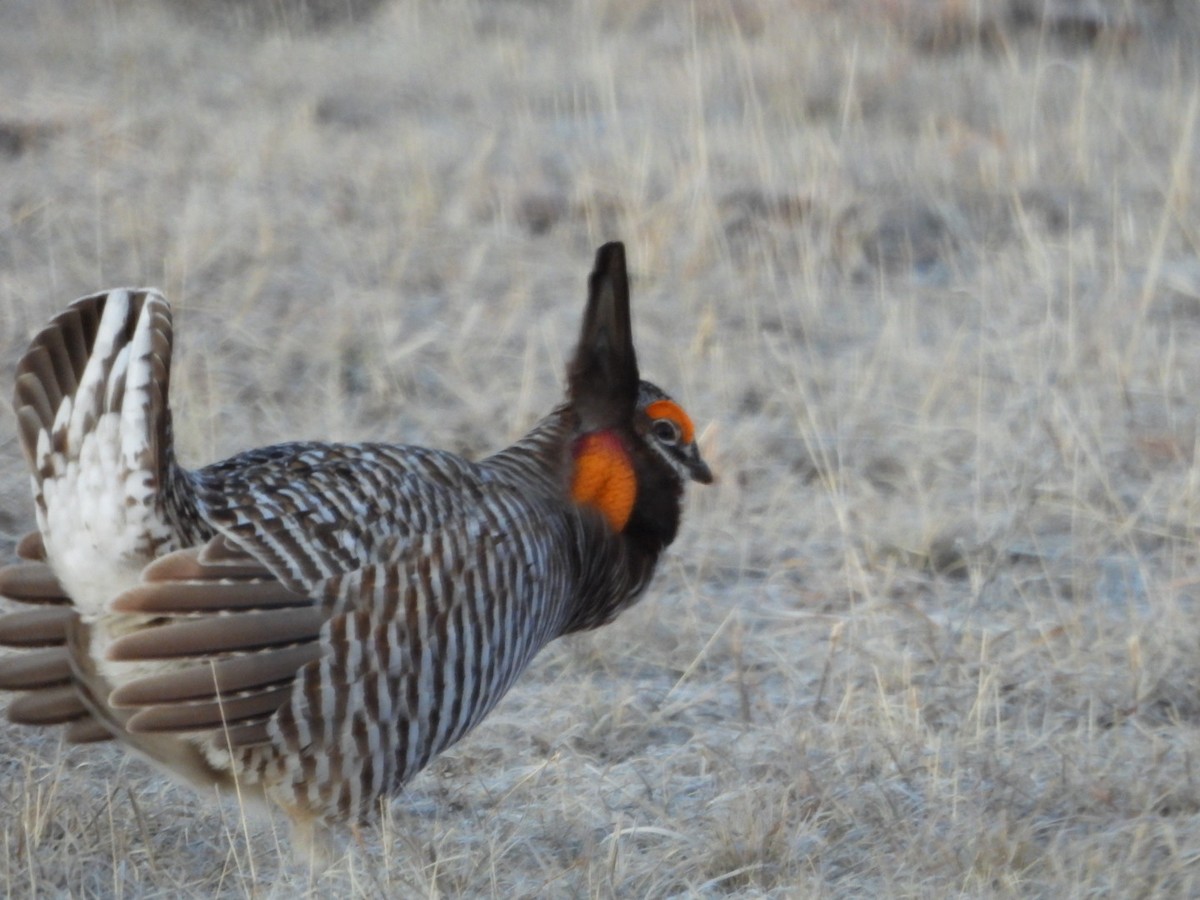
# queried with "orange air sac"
point(604, 477)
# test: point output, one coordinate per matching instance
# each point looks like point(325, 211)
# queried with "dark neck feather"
point(615, 569)
point(541, 460)
point(656, 513)
point(612, 573)
point(612, 569)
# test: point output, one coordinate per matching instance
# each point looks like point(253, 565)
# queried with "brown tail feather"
point(31, 582)
point(186, 717)
point(38, 669)
point(181, 758)
point(31, 547)
point(87, 730)
point(208, 680)
point(42, 627)
point(213, 635)
point(52, 706)
point(45, 673)
point(52, 367)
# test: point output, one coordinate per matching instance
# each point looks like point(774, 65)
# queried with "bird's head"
point(635, 447)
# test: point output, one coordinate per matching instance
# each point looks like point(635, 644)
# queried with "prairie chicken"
point(311, 623)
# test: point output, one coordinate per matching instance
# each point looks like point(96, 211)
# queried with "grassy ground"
point(925, 273)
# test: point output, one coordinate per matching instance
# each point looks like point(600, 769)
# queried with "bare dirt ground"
point(925, 273)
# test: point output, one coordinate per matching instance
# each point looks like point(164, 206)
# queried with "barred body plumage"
point(316, 621)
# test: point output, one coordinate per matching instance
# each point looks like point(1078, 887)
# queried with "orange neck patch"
point(669, 409)
point(604, 477)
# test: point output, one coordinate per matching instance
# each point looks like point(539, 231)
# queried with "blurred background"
point(925, 274)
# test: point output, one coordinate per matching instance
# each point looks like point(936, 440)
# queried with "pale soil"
point(925, 273)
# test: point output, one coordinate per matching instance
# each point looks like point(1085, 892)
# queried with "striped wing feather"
point(39, 669)
point(45, 673)
point(425, 648)
point(242, 634)
point(395, 633)
point(31, 582)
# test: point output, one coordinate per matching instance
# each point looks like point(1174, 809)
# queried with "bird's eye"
point(665, 430)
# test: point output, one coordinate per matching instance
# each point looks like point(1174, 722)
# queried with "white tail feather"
point(98, 505)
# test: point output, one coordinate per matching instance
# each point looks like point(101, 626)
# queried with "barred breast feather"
point(311, 623)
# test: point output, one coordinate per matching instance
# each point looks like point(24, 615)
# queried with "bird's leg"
point(314, 844)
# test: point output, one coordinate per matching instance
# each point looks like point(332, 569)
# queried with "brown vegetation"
point(925, 273)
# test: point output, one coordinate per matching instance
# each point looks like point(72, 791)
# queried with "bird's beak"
point(696, 466)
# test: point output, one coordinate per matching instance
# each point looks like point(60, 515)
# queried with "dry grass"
point(925, 272)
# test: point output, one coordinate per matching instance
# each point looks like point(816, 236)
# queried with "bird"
point(306, 625)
